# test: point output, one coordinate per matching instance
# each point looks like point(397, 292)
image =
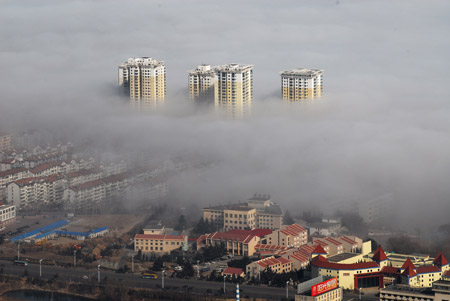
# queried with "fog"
point(382, 125)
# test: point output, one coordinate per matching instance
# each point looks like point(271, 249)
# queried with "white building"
point(7, 215)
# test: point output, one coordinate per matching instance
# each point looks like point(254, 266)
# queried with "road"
point(134, 280)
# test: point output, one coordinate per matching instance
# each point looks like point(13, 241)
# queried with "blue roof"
point(45, 234)
point(45, 229)
point(99, 230)
point(70, 233)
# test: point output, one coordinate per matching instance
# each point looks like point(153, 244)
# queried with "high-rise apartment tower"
point(144, 81)
point(233, 89)
point(298, 84)
point(201, 84)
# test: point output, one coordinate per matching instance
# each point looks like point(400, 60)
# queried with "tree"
point(188, 269)
point(287, 219)
point(158, 264)
point(181, 225)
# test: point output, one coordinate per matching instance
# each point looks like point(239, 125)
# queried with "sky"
point(381, 127)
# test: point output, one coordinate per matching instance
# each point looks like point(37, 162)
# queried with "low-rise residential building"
point(334, 246)
point(292, 236)
point(233, 272)
point(277, 265)
point(236, 242)
point(9, 176)
point(159, 244)
point(7, 215)
point(257, 212)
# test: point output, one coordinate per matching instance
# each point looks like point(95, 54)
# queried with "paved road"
point(134, 280)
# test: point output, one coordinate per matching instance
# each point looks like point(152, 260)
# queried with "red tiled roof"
point(261, 232)
point(390, 270)
point(233, 271)
point(428, 269)
point(333, 241)
point(12, 171)
point(348, 240)
point(440, 260)
point(284, 260)
point(241, 235)
point(293, 230)
point(409, 272)
point(322, 263)
point(408, 263)
point(44, 166)
point(159, 236)
point(87, 185)
point(446, 273)
point(379, 255)
point(270, 247)
point(319, 250)
point(320, 242)
point(271, 261)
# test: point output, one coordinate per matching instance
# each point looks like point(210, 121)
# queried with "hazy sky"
point(382, 127)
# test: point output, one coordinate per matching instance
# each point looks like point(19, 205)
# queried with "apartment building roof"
point(271, 261)
point(301, 72)
point(159, 236)
point(293, 230)
point(321, 262)
point(45, 166)
point(348, 240)
point(13, 171)
point(270, 247)
point(233, 68)
point(87, 185)
point(255, 232)
point(319, 250)
point(44, 156)
point(81, 172)
point(32, 180)
point(243, 236)
point(333, 241)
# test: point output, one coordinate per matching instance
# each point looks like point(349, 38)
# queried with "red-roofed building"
point(277, 265)
point(319, 250)
point(350, 244)
point(9, 176)
point(441, 262)
point(350, 276)
point(380, 257)
point(233, 272)
point(236, 241)
point(292, 236)
point(158, 243)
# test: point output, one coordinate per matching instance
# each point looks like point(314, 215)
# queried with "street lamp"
point(224, 288)
point(198, 269)
point(40, 267)
point(74, 258)
point(18, 250)
point(98, 275)
point(287, 289)
point(162, 279)
point(132, 262)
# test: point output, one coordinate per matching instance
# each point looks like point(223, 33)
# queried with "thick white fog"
point(383, 125)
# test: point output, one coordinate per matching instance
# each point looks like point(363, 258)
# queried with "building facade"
point(143, 80)
point(201, 84)
point(159, 244)
point(233, 90)
point(7, 215)
point(298, 84)
point(292, 236)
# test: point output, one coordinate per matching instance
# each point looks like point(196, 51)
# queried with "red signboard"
point(323, 287)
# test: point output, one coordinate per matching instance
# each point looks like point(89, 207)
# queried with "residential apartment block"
point(7, 215)
point(233, 90)
point(9, 176)
point(36, 191)
point(159, 244)
point(201, 84)
point(6, 141)
point(257, 212)
point(298, 84)
point(143, 80)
